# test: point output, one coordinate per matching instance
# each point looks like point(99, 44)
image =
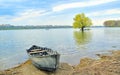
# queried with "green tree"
point(112, 23)
point(81, 21)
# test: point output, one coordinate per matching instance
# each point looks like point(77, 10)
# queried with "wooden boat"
point(44, 58)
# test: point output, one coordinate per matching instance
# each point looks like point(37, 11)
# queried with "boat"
point(44, 58)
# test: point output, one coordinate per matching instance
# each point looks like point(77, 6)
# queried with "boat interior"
point(41, 51)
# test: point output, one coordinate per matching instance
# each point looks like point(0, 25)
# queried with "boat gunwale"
point(38, 56)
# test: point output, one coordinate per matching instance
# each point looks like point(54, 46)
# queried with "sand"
point(106, 65)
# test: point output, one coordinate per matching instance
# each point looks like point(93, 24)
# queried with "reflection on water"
point(71, 44)
point(82, 38)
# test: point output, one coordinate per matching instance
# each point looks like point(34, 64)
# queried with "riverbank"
point(105, 65)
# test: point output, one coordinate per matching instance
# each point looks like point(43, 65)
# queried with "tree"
point(112, 23)
point(81, 21)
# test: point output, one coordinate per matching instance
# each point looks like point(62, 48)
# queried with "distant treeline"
point(112, 23)
point(11, 27)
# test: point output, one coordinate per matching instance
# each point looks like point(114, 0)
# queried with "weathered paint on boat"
point(48, 62)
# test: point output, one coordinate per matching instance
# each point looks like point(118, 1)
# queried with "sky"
point(57, 12)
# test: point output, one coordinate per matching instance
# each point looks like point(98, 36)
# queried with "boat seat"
point(40, 51)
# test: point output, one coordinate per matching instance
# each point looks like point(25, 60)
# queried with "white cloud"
point(10, 3)
point(100, 21)
point(29, 14)
point(5, 19)
point(104, 12)
point(100, 16)
point(80, 4)
point(11, 0)
point(26, 17)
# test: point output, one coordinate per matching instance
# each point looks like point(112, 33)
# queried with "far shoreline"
point(11, 27)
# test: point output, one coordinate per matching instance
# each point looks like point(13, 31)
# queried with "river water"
point(72, 44)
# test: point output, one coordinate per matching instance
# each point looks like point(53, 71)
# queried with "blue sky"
point(57, 12)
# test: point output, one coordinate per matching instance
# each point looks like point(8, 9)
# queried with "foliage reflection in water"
point(82, 38)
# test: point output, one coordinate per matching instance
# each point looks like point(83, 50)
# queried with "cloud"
point(80, 4)
point(100, 21)
point(11, 1)
point(99, 17)
point(29, 14)
point(105, 12)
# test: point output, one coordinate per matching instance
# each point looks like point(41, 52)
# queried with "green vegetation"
point(81, 21)
point(11, 27)
point(112, 23)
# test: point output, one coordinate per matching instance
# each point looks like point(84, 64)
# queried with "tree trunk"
point(82, 29)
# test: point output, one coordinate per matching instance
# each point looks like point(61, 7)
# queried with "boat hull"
point(48, 63)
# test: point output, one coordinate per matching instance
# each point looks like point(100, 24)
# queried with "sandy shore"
point(106, 65)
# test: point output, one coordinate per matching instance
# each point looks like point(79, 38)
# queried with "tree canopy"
point(112, 23)
point(81, 21)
